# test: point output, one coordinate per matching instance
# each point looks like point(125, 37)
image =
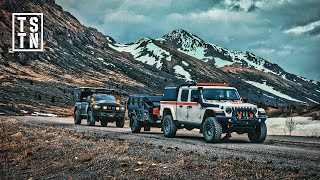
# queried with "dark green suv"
point(97, 104)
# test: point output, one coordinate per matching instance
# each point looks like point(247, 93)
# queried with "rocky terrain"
point(54, 148)
point(75, 55)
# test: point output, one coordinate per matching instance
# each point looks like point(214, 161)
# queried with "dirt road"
point(151, 155)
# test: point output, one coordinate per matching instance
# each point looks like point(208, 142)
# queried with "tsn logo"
point(27, 32)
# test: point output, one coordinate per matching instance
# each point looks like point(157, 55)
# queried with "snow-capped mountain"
point(190, 58)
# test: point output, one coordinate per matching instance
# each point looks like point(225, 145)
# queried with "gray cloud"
point(258, 26)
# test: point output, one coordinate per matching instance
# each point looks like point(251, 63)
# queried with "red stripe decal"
point(236, 102)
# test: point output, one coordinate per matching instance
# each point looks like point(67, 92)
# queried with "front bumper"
point(110, 115)
point(235, 122)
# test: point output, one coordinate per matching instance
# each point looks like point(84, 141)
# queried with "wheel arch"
point(208, 113)
point(169, 111)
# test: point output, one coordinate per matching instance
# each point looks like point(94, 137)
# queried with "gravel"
point(79, 151)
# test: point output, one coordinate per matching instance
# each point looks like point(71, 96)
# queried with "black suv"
point(97, 104)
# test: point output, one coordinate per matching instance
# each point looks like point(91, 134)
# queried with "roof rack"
point(95, 90)
point(198, 84)
point(212, 84)
point(188, 84)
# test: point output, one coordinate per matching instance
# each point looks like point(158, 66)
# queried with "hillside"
point(74, 55)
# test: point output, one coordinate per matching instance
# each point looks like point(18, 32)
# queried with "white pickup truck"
point(214, 108)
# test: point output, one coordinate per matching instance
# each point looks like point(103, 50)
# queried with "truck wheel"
point(135, 124)
point(104, 123)
point(90, 119)
point(212, 130)
point(76, 117)
point(120, 123)
point(259, 135)
point(146, 127)
point(169, 127)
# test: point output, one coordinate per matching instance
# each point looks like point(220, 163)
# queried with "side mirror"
point(195, 98)
point(245, 100)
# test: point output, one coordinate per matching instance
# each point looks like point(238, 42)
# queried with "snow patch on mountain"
point(197, 52)
point(109, 64)
point(150, 53)
point(312, 100)
point(221, 63)
point(283, 76)
point(269, 96)
point(307, 80)
point(185, 63)
point(270, 89)
point(182, 73)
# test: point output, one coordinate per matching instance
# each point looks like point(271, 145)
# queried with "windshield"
point(100, 97)
point(220, 94)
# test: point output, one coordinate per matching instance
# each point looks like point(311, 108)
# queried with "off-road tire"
point(169, 127)
point(212, 130)
point(120, 123)
point(146, 127)
point(76, 117)
point(135, 125)
point(259, 135)
point(104, 123)
point(90, 119)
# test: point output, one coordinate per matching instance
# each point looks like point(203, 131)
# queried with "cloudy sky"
point(286, 32)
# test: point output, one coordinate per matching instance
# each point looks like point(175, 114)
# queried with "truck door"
point(194, 108)
point(84, 105)
point(182, 105)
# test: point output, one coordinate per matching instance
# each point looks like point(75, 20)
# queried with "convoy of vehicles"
point(98, 104)
point(214, 108)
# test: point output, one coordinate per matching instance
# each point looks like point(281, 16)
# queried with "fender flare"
point(171, 109)
point(209, 112)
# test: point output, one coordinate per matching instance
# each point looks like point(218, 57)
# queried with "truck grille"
point(243, 113)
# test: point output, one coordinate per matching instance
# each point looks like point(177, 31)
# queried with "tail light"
point(155, 111)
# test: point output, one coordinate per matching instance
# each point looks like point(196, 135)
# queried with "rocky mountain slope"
point(254, 76)
point(75, 55)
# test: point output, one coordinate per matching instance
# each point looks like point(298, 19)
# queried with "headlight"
point(117, 108)
point(105, 107)
point(96, 106)
point(228, 110)
point(254, 110)
point(122, 108)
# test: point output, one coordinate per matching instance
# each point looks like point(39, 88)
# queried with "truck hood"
point(107, 103)
point(230, 104)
